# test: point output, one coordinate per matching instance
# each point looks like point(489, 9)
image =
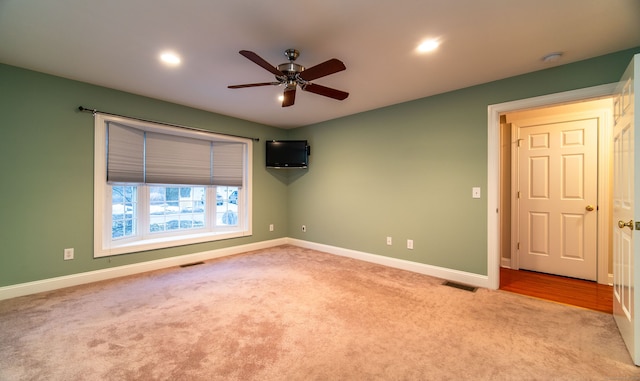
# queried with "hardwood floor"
point(560, 289)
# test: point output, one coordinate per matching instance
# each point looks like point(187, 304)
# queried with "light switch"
point(475, 192)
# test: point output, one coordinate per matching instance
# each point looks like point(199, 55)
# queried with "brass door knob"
point(622, 224)
point(589, 208)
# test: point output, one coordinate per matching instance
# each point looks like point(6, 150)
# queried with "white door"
point(626, 255)
point(557, 184)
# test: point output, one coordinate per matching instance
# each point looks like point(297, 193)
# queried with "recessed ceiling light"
point(170, 58)
point(280, 98)
point(428, 45)
point(552, 57)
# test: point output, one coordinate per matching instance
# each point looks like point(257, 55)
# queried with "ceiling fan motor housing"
point(290, 69)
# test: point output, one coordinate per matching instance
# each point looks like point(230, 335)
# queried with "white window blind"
point(136, 155)
point(227, 164)
point(125, 158)
point(177, 160)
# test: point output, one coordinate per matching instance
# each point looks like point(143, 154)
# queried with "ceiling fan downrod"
point(291, 54)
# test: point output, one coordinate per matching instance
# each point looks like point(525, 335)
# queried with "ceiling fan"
point(292, 75)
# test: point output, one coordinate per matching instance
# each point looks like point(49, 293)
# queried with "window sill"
point(166, 242)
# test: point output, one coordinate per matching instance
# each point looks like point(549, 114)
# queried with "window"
point(159, 186)
point(124, 211)
point(176, 208)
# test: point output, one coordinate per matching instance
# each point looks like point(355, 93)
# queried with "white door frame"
point(493, 169)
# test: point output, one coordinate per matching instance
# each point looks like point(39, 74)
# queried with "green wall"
point(404, 171)
point(46, 172)
point(407, 170)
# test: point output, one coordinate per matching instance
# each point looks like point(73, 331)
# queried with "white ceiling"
point(116, 43)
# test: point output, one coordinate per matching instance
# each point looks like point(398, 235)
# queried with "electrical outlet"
point(68, 254)
point(389, 241)
point(410, 244)
point(270, 227)
point(475, 192)
point(304, 228)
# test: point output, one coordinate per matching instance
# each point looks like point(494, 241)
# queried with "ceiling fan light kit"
point(293, 75)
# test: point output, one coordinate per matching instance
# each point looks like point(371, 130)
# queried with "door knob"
point(589, 208)
point(622, 224)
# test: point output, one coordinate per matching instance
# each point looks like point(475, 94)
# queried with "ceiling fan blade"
point(320, 70)
point(253, 85)
point(326, 91)
point(289, 97)
point(261, 62)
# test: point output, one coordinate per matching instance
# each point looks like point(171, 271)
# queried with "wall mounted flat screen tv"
point(287, 154)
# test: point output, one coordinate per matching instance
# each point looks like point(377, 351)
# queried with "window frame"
point(105, 246)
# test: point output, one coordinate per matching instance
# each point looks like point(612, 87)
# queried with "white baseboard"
point(505, 262)
point(115, 272)
point(421, 268)
point(51, 284)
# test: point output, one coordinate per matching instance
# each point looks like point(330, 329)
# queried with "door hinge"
point(519, 140)
point(518, 246)
point(518, 195)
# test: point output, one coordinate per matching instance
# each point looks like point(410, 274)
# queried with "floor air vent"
point(191, 264)
point(460, 286)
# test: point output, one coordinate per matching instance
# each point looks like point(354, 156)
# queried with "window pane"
point(124, 211)
point(176, 208)
point(227, 206)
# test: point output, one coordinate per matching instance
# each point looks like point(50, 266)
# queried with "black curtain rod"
point(94, 111)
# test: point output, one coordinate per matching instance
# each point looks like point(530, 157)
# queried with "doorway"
point(495, 180)
point(554, 162)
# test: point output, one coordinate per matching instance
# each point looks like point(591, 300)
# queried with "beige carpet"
point(288, 313)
